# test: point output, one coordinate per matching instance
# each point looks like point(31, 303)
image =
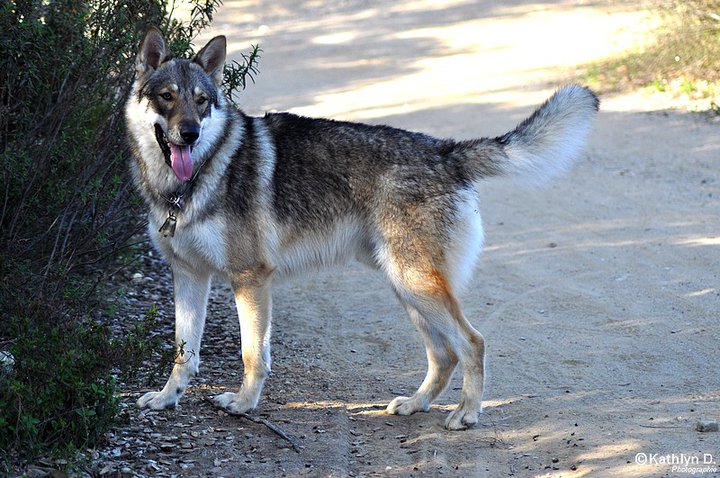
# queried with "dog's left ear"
point(212, 58)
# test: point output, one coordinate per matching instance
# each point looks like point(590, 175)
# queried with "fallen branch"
point(662, 426)
point(274, 428)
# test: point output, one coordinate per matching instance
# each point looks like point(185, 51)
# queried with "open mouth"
point(177, 156)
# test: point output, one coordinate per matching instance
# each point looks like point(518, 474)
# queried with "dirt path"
point(599, 296)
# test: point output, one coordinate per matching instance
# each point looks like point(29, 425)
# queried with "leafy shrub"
point(62, 394)
point(67, 207)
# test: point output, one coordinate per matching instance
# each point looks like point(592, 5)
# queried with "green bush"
point(61, 395)
point(67, 208)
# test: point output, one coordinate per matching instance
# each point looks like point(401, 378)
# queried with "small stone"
point(706, 426)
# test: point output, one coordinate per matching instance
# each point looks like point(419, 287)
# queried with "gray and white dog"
point(253, 200)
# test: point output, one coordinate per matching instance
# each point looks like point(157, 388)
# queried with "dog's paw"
point(463, 417)
point(158, 400)
point(235, 402)
point(408, 405)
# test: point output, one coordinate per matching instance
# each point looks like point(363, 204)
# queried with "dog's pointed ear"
point(153, 51)
point(212, 58)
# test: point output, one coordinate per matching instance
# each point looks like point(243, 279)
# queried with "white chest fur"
point(199, 245)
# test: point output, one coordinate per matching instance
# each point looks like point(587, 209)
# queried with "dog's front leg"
point(191, 295)
point(254, 304)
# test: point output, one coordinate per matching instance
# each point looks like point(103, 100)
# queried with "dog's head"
point(178, 96)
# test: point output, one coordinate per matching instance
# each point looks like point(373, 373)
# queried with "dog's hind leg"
point(441, 364)
point(191, 295)
point(471, 346)
point(442, 322)
point(254, 305)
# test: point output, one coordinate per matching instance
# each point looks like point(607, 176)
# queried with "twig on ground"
point(274, 428)
point(662, 426)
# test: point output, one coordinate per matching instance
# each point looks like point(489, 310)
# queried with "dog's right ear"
point(153, 51)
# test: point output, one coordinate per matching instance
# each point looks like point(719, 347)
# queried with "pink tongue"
point(181, 161)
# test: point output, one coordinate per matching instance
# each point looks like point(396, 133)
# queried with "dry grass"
point(682, 59)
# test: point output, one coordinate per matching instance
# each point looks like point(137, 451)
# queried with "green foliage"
point(684, 57)
point(58, 392)
point(236, 73)
point(62, 395)
point(140, 345)
point(67, 208)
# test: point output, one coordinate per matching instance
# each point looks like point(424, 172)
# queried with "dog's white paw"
point(235, 402)
point(464, 416)
point(158, 400)
point(408, 405)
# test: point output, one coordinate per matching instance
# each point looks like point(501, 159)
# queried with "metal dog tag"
point(168, 227)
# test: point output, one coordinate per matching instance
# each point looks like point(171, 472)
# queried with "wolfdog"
point(256, 199)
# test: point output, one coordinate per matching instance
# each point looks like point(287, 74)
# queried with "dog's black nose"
point(189, 133)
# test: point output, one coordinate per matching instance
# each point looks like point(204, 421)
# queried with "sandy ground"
point(598, 296)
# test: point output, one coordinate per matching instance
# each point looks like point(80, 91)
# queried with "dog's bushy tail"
point(541, 147)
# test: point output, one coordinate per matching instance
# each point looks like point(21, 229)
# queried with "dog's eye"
point(166, 96)
point(201, 100)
